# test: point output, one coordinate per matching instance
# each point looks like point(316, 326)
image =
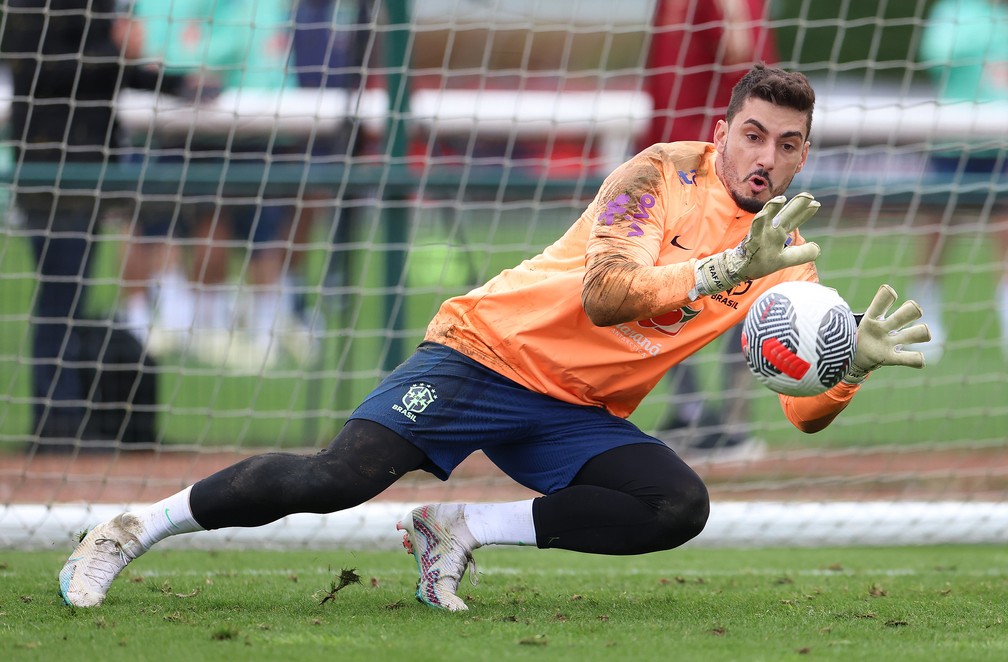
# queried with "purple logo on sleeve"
point(618, 206)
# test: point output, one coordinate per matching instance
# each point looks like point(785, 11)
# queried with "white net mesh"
point(278, 231)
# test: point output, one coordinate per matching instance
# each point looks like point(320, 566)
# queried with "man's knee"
point(682, 514)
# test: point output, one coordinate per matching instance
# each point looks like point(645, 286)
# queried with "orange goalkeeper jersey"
point(665, 206)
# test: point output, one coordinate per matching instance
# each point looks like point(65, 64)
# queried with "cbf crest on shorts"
point(417, 398)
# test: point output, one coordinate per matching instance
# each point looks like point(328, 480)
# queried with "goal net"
point(268, 225)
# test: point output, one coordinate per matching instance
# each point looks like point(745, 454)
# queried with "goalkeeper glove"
point(764, 250)
point(880, 338)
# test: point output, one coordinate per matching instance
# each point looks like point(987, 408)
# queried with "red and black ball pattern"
point(799, 338)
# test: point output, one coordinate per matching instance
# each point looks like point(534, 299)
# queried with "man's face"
point(760, 152)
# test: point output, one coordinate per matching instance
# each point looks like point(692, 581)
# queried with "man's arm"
point(617, 289)
point(815, 413)
point(622, 281)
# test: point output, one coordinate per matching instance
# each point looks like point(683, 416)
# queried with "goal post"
point(291, 242)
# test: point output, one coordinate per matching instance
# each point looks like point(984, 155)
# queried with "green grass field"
point(964, 398)
point(926, 603)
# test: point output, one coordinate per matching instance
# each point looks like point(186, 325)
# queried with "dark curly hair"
point(783, 88)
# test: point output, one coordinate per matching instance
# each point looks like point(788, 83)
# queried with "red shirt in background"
point(698, 52)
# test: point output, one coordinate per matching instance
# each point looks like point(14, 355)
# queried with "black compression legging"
point(628, 500)
point(363, 460)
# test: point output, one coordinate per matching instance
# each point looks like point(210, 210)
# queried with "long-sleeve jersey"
point(599, 316)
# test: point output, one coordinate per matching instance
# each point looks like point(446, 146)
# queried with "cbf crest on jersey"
point(417, 398)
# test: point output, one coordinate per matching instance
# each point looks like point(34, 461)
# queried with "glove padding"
point(880, 339)
point(764, 250)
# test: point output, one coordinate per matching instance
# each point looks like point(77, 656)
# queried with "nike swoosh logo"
point(675, 242)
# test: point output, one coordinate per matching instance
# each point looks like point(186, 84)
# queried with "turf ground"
point(922, 603)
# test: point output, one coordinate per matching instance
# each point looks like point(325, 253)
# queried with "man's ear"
point(720, 134)
point(804, 156)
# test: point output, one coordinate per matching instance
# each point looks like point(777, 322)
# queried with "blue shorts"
point(261, 224)
point(259, 221)
point(449, 406)
point(967, 163)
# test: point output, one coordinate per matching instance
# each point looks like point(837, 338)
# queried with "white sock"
point(138, 316)
point(175, 301)
point(215, 307)
point(501, 523)
point(165, 518)
point(266, 307)
point(291, 289)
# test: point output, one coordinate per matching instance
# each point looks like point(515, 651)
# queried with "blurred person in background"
point(243, 47)
point(964, 46)
point(69, 59)
point(698, 52)
point(156, 303)
point(331, 42)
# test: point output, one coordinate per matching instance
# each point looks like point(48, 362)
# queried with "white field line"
point(408, 571)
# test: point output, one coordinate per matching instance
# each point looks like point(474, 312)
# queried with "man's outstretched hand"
point(765, 249)
point(881, 337)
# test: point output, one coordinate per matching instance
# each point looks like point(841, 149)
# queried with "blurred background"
point(284, 192)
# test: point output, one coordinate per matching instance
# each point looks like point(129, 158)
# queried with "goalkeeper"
point(540, 367)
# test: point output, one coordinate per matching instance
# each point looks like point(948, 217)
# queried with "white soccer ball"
point(799, 338)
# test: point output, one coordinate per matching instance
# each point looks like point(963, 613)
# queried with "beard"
point(745, 202)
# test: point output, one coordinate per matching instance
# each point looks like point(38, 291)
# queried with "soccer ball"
point(799, 338)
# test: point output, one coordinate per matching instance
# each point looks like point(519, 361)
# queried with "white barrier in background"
point(294, 112)
point(613, 119)
point(731, 524)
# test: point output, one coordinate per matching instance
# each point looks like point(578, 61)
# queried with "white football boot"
point(98, 559)
point(439, 539)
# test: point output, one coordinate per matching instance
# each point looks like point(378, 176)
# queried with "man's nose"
point(766, 157)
